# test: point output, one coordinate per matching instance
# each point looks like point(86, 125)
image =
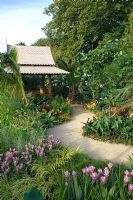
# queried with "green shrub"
point(60, 108)
point(113, 128)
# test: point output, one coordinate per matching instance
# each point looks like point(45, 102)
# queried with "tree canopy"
point(41, 42)
point(77, 26)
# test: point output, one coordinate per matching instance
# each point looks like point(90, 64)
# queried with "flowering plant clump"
point(95, 174)
point(98, 174)
point(102, 175)
point(67, 174)
point(128, 179)
point(16, 161)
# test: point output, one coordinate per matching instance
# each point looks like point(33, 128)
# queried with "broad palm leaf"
point(13, 80)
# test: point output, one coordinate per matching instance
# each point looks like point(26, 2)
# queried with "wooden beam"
point(49, 85)
point(42, 87)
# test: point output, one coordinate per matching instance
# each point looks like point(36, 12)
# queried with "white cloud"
point(21, 25)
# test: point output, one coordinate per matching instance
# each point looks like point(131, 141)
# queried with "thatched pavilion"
point(36, 60)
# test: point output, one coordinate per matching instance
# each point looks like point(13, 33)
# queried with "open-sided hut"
point(36, 60)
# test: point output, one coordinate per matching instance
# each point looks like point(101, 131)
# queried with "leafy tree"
point(78, 25)
point(41, 42)
point(129, 33)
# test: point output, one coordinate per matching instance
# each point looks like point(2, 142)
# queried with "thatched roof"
point(35, 60)
point(39, 70)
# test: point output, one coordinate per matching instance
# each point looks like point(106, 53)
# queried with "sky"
point(21, 21)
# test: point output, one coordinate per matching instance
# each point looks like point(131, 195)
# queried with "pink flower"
point(126, 179)
point(19, 167)
point(110, 165)
point(130, 187)
point(67, 174)
point(84, 170)
point(94, 176)
point(100, 171)
point(15, 161)
point(103, 180)
point(41, 153)
point(90, 169)
point(106, 172)
point(4, 165)
point(57, 141)
point(127, 172)
point(9, 155)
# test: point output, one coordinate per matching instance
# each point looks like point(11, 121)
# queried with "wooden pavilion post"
point(42, 87)
point(49, 85)
point(43, 83)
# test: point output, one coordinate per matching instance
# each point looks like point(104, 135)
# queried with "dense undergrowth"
point(20, 124)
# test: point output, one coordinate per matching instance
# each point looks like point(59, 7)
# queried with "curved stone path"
point(71, 134)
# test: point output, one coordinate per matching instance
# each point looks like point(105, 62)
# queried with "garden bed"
point(59, 172)
point(117, 129)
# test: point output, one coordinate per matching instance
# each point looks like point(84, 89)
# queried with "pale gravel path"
point(71, 134)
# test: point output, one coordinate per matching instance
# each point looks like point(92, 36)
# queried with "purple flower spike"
point(127, 173)
point(110, 165)
point(4, 165)
point(84, 170)
point(126, 179)
point(19, 167)
point(106, 172)
point(50, 145)
point(100, 171)
point(57, 141)
point(41, 153)
point(90, 169)
point(103, 180)
point(67, 174)
point(94, 176)
point(15, 161)
point(130, 187)
point(8, 155)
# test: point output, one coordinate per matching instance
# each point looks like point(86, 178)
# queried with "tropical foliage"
point(12, 79)
point(113, 128)
point(94, 41)
point(98, 47)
